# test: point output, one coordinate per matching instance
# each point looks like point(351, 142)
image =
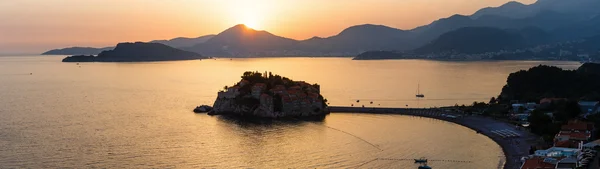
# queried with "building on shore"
point(571, 144)
point(539, 163)
point(575, 130)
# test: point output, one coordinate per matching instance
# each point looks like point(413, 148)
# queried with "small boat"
point(202, 109)
point(424, 167)
point(421, 160)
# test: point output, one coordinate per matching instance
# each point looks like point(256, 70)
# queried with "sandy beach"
point(514, 141)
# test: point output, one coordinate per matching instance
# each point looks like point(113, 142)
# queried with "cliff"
point(138, 52)
point(270, 96)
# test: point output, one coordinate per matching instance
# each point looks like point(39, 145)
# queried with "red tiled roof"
point(536, 163)
point(578, 125)
point(567, 144)
point(575, 135)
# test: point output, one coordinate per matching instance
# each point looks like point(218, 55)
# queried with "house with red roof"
point(568, 144)
point(575, 130)
point(539, 163)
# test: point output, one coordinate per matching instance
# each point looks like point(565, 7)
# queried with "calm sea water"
point(138, 115)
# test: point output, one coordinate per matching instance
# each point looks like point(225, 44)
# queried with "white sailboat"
point(419, 94)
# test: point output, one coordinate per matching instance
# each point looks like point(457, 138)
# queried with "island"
point(137, 52)
point(77, 51)
point(264, 95)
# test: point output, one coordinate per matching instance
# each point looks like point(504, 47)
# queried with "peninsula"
point(76, 51)
point(270, 96)
point(137, 52)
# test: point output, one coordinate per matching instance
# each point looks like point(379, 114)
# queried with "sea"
point(139, 115)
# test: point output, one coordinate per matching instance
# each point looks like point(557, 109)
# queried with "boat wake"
point(375, 146)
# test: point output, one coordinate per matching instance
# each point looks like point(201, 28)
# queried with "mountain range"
point(514, 24)
point(183, 42)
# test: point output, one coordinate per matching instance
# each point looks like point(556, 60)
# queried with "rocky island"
point(137, 52)
point(270, 96)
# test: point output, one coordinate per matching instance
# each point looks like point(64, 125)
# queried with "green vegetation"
point(545, 82)
point(271, 80)
point(547, 126)
point(551, 82)
point(542, 125)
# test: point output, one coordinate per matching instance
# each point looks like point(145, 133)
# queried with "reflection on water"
point(138, 115)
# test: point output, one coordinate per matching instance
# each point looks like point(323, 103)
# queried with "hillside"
point(358, 39)
point(550, 82)
point(243, 41)
point(471, 40)
point(182, 42)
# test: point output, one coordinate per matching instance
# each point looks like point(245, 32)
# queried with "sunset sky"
point(34, 26)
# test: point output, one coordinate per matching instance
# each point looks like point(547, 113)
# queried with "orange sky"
point(33, 26)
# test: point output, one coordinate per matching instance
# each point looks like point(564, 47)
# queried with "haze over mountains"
point(183, 42)
point(511, 25)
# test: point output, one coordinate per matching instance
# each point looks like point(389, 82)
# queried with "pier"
point(514, 140)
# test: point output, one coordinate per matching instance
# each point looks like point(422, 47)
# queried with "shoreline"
point(513, 148)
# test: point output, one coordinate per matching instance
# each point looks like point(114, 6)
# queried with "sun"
point(250, 13)
point(252, 23)
point(251, 20)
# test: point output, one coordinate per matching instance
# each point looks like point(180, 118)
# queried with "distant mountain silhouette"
point(581, 9)
point(546, 21)
point(473, 40)
point(241, 40)
point(182, 42)
point(429, 32)
point(581, 29)
point(76, 51)
point(577, 8)
point(358, 39)
point(510, 10)
point(138, 52)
